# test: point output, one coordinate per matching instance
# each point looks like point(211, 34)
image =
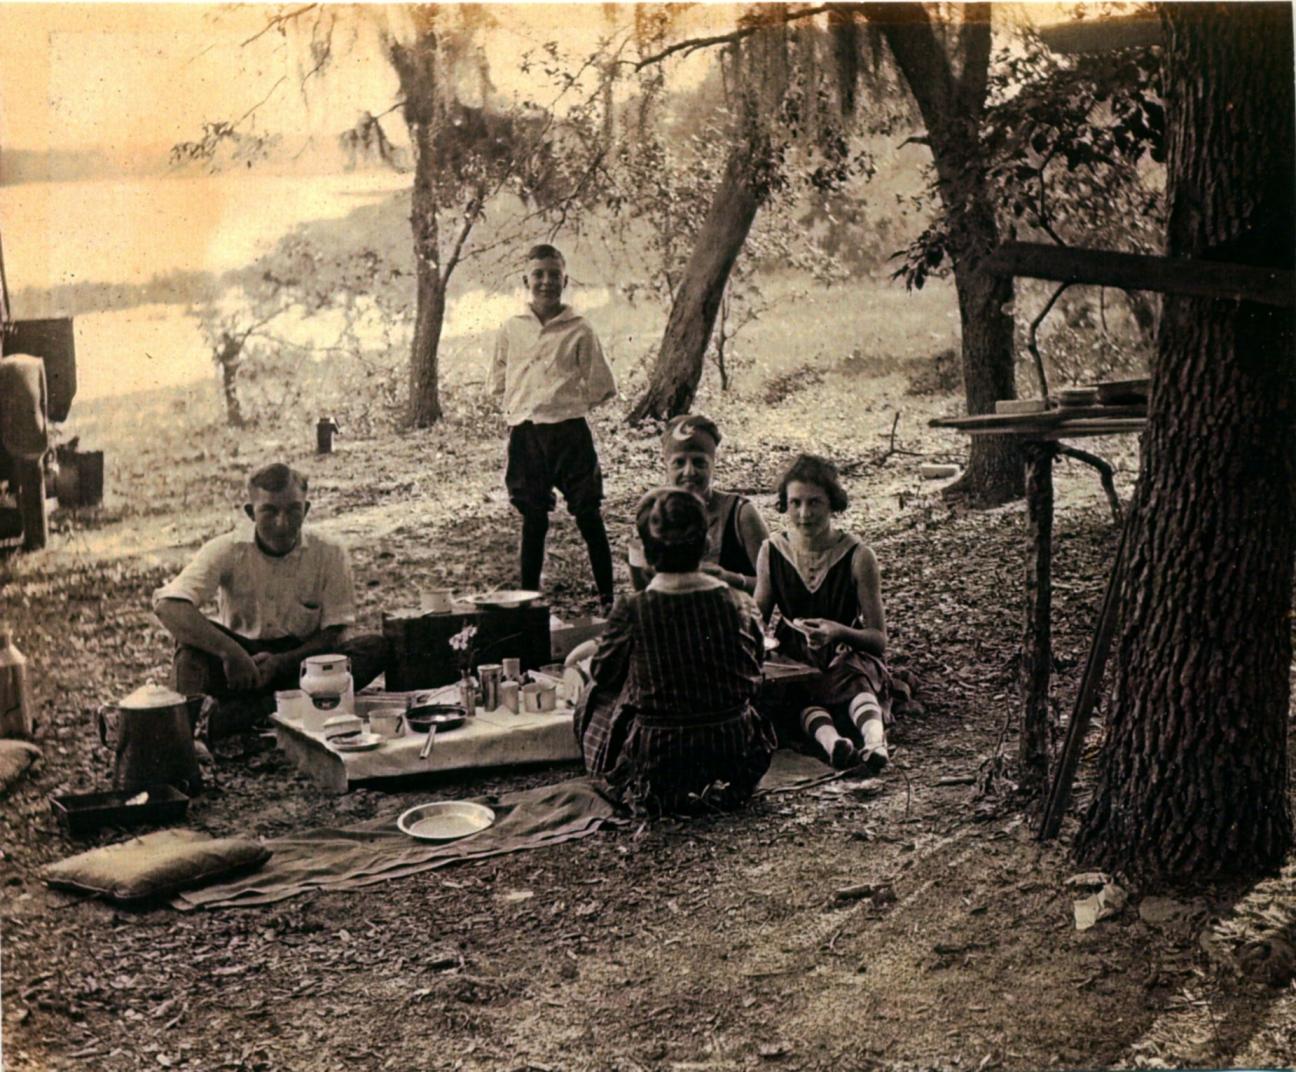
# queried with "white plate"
point(445, 820)
point(360, 742)
point(504, 600)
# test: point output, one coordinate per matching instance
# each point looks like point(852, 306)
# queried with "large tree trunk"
point(674, 380)
point(995, 468)
point(229, 358)
point(951, 106)
point(416, 68)
point(1193, 783)
point(429, 313)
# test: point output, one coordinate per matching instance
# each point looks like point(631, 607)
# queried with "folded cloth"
point(15, 758)
point(348, 858)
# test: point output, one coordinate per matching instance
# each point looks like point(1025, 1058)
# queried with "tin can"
point(491, 674)
point(15, 699)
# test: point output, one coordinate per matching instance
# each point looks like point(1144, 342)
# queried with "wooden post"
point(1143, 271)
point(1087, 698)
point(1037, 636)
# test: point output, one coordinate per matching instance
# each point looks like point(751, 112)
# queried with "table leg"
point(1037, 636)
point(322, 765)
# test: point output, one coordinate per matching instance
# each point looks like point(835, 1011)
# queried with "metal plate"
point(355, 742)
point(445, 820)
point(504, 600)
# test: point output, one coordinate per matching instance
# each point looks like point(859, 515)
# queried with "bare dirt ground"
point(715, 944)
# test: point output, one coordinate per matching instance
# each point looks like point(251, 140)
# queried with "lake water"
point(133, 230)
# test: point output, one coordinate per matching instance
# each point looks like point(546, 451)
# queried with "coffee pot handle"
point(101, 722)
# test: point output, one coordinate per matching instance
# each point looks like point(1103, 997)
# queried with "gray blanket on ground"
point(348, 858)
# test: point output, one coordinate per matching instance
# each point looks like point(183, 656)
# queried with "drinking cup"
point(512, 669)
point(538, 697)
point(291, 704)
point(387, 721)
point(508, 695)
point(435, 600)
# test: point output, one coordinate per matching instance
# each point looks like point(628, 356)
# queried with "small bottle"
point(15, 700)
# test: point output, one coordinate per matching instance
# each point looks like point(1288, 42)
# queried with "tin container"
point(326, 681)
point(492, 675)
point(15, 697)
point(84, 813)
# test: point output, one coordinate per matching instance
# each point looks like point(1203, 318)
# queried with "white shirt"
point(262, 597)
point(550, 372)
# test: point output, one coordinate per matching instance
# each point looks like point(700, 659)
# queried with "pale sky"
point(76, 75)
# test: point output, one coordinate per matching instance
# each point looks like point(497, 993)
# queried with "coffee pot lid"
point(151, 695)
point(324, 662)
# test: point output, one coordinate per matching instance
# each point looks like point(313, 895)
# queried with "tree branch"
point(1033, 343)
point(465, 229)
point(695, 44)
point(1105, 473)
point(278, 20)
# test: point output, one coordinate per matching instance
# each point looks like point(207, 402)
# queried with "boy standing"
point(551, 371)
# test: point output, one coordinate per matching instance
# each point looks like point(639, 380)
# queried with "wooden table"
point(1041, 435)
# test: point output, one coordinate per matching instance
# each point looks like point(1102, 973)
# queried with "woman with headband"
point(668, 721)
point(735, 530)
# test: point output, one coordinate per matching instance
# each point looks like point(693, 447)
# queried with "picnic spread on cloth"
point(352, 857)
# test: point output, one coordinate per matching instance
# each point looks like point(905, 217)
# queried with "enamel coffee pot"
point(151, 734)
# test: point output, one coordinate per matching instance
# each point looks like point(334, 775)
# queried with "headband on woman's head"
point(692, 431)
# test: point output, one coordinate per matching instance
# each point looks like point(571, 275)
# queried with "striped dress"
point(668, 720)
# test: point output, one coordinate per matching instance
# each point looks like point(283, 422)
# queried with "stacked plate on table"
point(1071, 397)
point(504, 600)
point(1129, 392)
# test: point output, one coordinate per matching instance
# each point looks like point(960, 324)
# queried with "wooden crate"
point(423, 659)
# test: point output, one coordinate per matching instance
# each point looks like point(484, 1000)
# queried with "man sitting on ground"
point(282, 593)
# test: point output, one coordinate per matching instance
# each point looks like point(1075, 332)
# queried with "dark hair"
point(544, 251)
point(812, 469)
point(673, 527)
point(276, 477)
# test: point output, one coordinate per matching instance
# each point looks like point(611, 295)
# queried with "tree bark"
point(229, 357)
point(678, 369)
point(1037, 634)
point(416, 69)
point(429, 312)
point(952, 106)
point(1193, 783)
